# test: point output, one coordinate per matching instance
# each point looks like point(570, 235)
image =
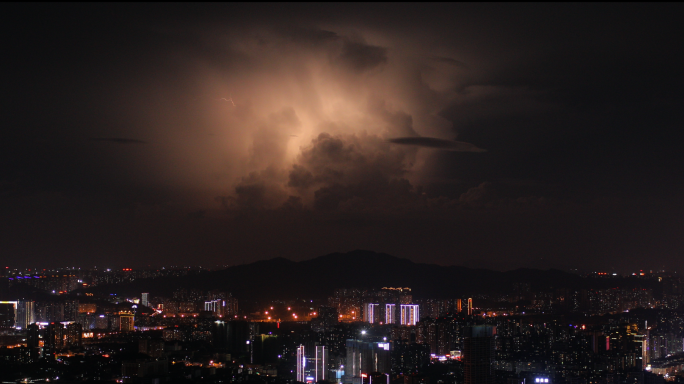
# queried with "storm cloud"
point(499, 133)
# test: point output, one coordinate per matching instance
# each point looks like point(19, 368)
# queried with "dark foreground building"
point(478, 354)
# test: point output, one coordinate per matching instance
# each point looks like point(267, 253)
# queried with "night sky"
point(485, 135)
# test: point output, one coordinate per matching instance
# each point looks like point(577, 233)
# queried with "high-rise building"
point(233, 336)
point(478, 354)
point(409, 314)
point(470, 306)
point(321, 361)
point(49, 311)
point(371, 313)
point(126, 321)
point(8, 314)
point(73, 335)
point(351, 304)
point(639, 349)
point(71, 308)
point(114, 322)
point(328, 315)
point(101, 322)
point(459, 307)
point(145, 299)
point(439, 334)
point(231, 306)
point(326, 320)
point(25, 314)
point(364, 357)
point(301, 363)
point(33, 341)
point(410, 357)
point(54, 339)
point(390, 314)
point(215, 306)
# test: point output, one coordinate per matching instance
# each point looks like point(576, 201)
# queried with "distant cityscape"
point(75, 325)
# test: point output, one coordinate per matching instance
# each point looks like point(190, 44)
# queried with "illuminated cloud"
point(336, 169)
point(319, 106)
point(360, 57)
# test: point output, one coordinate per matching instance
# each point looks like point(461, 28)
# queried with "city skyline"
point(607, 329)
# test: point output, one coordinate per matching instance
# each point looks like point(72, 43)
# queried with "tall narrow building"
point(371, 313)
point(25, 314)
point(364, 358)
point(301, 363)
point(478, 354)
point(390, 314)
point(321, 361)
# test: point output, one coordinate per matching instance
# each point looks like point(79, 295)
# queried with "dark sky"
point(488, 135)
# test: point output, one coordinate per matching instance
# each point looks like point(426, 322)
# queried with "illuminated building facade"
point(390, 314)
point(87, 308)
point(371, 313)
point(25, 314)
point(217, 307)
point(301, 363)
point(470, 306)
point(410, 314)
point(126, 323)
point(145, 299)
point(321, 363)
point(351, 304)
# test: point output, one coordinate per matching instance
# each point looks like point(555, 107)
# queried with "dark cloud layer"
point(119, 140)
point(450, 61)
point(349, 126)
point(431, 142)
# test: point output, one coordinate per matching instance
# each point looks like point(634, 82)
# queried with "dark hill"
point(317, 278)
